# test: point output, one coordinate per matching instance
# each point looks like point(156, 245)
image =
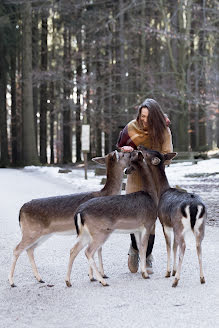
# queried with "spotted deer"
point(98, 218)
point(178, 211)
point(41, 218)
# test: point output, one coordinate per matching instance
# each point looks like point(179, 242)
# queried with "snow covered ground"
point(129, 301)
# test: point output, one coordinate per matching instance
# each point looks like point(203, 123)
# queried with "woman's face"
point(144, 116)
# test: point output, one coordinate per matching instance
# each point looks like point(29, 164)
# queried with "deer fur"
point(98, 218)
point(178, 211)
point(43, 217)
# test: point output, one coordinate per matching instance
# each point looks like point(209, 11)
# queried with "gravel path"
point(129, 301)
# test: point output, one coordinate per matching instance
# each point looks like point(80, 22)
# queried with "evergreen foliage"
point(94, 61)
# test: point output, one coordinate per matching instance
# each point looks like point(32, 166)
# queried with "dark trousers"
point(150, 244)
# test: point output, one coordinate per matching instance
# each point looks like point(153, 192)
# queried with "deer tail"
point(79, 222)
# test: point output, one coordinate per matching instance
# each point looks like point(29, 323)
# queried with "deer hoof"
point(175, 283)
point(174, 272)
point(167, 274)
point(93, 279)
point(41, 281)
point(68, 284)
point(145, 275)
point(202, 280)
point(107, 285)
point(104, 284)
point(13, 285)
point(105, 277)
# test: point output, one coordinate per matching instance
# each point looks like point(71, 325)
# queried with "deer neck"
point(160, 179)
point(147, 182)
point(113, 183)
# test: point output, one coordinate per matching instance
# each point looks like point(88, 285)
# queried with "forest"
point(65, 63)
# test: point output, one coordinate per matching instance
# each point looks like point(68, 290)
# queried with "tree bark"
point(29, 140)
point(13, 109)
point(35, 60)
point(98, 115)
point(4, 159)
point(43, 93)
point(78, 105)
point(67, 121)
point(202, 83)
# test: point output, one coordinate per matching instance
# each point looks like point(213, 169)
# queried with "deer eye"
point(155, 161)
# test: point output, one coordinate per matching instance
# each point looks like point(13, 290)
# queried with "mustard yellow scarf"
point(138, 135)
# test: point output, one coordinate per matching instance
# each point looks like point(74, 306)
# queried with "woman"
point(151, 130)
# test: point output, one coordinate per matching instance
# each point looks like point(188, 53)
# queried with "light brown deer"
point(41, 218)
point(178, 211)
point(98, 218)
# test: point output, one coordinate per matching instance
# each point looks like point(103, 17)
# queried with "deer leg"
point(199, 253)
point(90, 251)
point(175, 246)
point(11, 274)
point(137, 238)
point(24, 244)
point(30, 253)
point(101, 270)
point(182, 247)
point(80, 244)
point(142, 252)
point(167, 235)
point(100, 258)
point(91, 274)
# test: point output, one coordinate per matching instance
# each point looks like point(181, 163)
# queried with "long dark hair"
point(156, 121)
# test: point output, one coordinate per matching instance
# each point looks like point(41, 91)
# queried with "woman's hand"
point(167, 120)
point(127, 149)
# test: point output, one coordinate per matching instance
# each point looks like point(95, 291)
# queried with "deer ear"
point(169, 156)
point(99, 160)
point(116, 155)
point(140, 156)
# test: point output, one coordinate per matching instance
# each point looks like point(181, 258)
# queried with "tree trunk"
point(98, 116)
point(78, 105)
point(183, 107)
point(43, 94)
point(13, 109)
point(192, 86)
point(35, 60)
point(67, 122)
point(19, 96)
point(142, 50)
point(29, 140)
point(87, 115)
point(52, 119)
point(202, 83)
point(13, 55)
point(4, 159)
point(52, 97)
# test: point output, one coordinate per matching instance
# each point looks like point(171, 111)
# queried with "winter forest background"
point(68, 62)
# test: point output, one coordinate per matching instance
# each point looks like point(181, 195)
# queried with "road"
point(129, 301)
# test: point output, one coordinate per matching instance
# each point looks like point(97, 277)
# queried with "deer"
point(178, 211)
point(98, 218)
point(40, 218)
